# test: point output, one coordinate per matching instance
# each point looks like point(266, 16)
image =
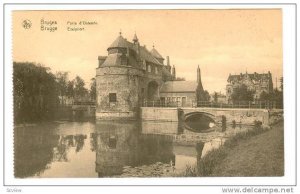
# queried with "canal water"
point(110, 148)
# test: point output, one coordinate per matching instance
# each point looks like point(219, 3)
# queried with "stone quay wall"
point(159, 114)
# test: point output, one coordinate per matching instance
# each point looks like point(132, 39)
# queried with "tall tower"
point(200, 90)
point(199, 78)
point(117, 82)
point(198, 75)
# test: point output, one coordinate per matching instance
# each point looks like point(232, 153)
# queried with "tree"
point(215, 97)
point(206, 96)
point(35, 92)
point(281, 84)
point(93, 89)
point(70, 89)
point(242, 93)
point(62, 82)
point(79, 90)
point(277, 97)
point(264, 96)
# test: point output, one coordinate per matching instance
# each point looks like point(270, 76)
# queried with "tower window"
point(112, 97)
point(112, 142)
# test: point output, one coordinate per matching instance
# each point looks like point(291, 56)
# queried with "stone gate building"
point(127, 76)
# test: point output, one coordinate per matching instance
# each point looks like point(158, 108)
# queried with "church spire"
point(135, 39)
point(198, 75)
point(200, 91)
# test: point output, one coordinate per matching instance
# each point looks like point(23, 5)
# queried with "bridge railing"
point(240, 104)
point(208, 104)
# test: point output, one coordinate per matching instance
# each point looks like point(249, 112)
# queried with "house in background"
point(182, 93)
point(257, 82)
point(179, 93)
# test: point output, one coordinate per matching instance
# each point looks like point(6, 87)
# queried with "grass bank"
point(258, 152)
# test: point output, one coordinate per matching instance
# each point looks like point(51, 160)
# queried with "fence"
point(207, 104)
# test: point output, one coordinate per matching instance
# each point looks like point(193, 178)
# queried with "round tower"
point(117, 81)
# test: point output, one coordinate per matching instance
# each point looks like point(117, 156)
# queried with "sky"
point(219, 41)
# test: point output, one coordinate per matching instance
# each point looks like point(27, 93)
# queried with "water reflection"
point(53, 150)
point(105, 149)
point(121, 144)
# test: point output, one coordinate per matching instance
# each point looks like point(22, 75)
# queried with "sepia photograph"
point(148, 93)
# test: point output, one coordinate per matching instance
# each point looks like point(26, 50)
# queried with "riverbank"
point(256, 153)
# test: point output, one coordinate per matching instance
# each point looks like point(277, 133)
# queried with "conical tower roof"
point(120, 42)
point(156, 54)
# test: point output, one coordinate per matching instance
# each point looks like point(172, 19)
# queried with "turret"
point(135, 39)
point(136, 43)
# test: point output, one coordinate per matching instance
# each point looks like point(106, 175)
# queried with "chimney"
point(168, 61)
point(174, 72)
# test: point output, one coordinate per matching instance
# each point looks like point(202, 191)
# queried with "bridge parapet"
point(240, 116)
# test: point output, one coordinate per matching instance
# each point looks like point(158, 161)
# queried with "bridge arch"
point(199, 121)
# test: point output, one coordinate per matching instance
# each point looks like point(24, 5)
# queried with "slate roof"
point(112, 59)
point(156, 54)
point(121, 42)
point(253, 76)
point(179, 86)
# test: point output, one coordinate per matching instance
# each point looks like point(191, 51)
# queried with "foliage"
point(281, 83)
point(61, 79)
point(242, 93)
point(215, 97)
point(277, 97)
point(80, 92)
point(35, 92)
point(208, 163)
point(264, 96)
point(206, 96)
point(70, 89)
point(93, 89)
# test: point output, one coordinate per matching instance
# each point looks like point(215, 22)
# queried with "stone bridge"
point(240, 116)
